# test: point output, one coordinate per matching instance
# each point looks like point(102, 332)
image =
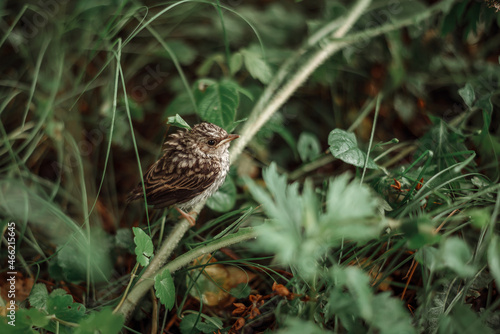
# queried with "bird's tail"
point(135, 194)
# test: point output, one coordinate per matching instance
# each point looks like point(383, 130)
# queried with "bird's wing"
point(168, 182)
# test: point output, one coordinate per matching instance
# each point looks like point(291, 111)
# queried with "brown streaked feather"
point(166, 186)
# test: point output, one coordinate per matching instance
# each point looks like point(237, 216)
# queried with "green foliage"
point(467, 93)
point(218, 103)
point(103, 321)
point(193, 323)
point(241, 291)
point(225, 198)
point(298, 326)
point(344, 146)
point(165, 289)
point(308, 146)
point(38, 296)
point(143, 246)
point(352, 300)
point(178, 122)
point(302, 229)
point(63, 307)
point(256, 65)
point(494, 258)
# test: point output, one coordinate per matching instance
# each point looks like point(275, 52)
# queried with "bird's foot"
point(187, 216)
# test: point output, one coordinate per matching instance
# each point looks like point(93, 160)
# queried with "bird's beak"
point(228, 139)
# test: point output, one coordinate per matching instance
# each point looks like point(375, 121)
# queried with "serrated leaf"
point(103, 321)
point(344, 146)
point(467, 94)
point(308, 146)
point(494, 258)
point(302, 228)
point(225, 198)
point(58, 292)
point(64, 308)
point(165, 289)
point(218, 103)
point(257, 66)
point(178, 122)
point(38, 296)
point(143, 246)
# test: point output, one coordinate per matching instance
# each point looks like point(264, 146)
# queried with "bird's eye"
point(211, 142)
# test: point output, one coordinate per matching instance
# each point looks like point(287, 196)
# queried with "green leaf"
point(192, 321)
point(23, 322)
point(344, 146)
point(235, 62)
point(467, 94)
point(494, 258)
point(420, 232)
point(143, 246)
point(205, 67)
point(299, 326)
point(211, 326)
point(38, 296)
point(484, 103)
point(33, 316)
point(178, 122)
point(225, 198)
point(462, 320)
point(257, 66)
point(302, 229)
point(359, 286)
point(390, 316)
point(241, 291)
point(188, 323)
point(124, 239)
point(218, 103)
point(58, 292)
point(72, 257)
point(308, 146)
point(182, 51)
point(103, 321)
point(479, 217)
point(456, 255)
point(165, 289)
point(63, 307)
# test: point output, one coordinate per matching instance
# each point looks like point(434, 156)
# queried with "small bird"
point(193, 166)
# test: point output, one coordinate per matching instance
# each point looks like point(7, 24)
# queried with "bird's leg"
point(187, 216)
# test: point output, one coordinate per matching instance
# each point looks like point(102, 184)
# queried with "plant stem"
point(271, 103)
point(146, 281)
